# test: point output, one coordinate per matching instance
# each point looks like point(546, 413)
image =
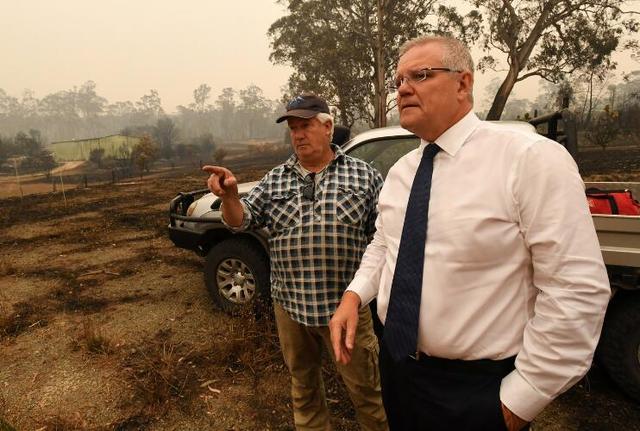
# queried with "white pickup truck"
point(236, 270)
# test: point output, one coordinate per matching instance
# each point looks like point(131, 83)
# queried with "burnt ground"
point(105, 325)
point(612, 164)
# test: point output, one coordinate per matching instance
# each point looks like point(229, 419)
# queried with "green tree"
point(88, 103)
point(30, 144)
point(8, 104)
point(549, 38)
point(226, 106)
point(254, 109)
point(219, 155)
point(150, 104)
point(346, 50)
point(7, 149)
point(204, 145)
point(166, 134)
point(604, 129)
point(96, 155)
point(144, 153)
point(200, 97)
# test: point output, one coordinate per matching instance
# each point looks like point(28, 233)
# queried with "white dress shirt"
point(512, 261)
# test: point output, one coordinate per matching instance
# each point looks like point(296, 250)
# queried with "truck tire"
point(236, 274)
point(619, 350)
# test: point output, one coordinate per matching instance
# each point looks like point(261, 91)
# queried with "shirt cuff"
point(521, 397)
point(359, 286)
point(246, 220)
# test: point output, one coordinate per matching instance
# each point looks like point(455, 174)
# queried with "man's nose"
point(297, 134)
point(405, 88)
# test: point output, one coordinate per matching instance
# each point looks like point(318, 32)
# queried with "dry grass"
point(61, 423)
point(5, 426)
point(168, 374)
point(23, 318)
point(6, 269)
point(162, 372)
point(93, 339)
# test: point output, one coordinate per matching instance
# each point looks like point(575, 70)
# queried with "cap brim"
point(298, 113)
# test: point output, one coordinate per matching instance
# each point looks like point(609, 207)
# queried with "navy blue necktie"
point(403, 312)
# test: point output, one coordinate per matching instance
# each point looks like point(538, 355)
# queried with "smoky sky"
point(129, 47)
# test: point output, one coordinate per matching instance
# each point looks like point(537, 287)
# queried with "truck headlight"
point(192, 208)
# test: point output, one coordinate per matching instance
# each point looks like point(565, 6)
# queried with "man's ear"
point(465, 88)
point(328, 125)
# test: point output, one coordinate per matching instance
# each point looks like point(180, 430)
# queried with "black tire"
point(619, 349)
point(236, 274)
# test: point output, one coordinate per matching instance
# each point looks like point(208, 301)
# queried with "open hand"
point(343, 326)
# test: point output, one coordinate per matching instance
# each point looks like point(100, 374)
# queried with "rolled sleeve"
point(246, 219)
point(254, 207)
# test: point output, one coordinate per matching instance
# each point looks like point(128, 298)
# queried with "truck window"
point(383, 153)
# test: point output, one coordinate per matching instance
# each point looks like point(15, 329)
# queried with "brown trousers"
point(301, 347)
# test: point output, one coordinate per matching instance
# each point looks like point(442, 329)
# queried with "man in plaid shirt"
point(319, 208)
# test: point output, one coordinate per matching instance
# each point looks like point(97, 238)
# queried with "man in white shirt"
point(511, 286)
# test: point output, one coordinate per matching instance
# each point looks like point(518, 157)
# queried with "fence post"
point(85, 181)
point(63, 193)
point(15, 165)
point(113, 176)
point(53, 183)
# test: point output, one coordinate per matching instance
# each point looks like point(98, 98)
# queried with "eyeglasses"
point(416, 76)
point(309, 189)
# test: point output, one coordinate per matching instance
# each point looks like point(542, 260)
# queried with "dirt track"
point(104, 325)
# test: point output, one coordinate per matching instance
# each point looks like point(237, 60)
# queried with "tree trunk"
point(503, 93)
point(590, 94)
point(380, 105)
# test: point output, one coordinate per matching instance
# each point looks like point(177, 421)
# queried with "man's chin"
point(303, 151)
point(407, 123)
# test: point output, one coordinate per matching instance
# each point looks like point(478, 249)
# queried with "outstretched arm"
point(224, 184)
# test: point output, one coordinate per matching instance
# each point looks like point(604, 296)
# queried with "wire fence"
point(84, 180)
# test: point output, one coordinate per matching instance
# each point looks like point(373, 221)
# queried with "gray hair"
point(323, 117)
point(456, 54)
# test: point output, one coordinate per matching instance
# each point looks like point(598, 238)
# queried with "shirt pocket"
point(285, 211)
point(351, 205)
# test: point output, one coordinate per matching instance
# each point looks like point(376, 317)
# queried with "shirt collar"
point(455, 136)
point(292, 161)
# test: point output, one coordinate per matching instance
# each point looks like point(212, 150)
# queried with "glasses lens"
point(420, 75)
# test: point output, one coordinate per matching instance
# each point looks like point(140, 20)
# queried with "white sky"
point(131, 46)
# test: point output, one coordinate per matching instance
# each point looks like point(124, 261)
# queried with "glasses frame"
point(395, 85)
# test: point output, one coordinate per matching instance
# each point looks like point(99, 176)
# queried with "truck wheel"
point(236, 274)
point(619, 350)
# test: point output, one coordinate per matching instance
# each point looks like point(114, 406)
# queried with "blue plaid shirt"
point(316, 244)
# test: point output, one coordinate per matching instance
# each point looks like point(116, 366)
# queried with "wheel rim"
point(236, 282)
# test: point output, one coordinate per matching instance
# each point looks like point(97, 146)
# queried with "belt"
point(477, 366)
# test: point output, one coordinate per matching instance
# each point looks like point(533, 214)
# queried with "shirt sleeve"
point(366, 281)
point(254, 207)
point(568, 270)
point(375, 194)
